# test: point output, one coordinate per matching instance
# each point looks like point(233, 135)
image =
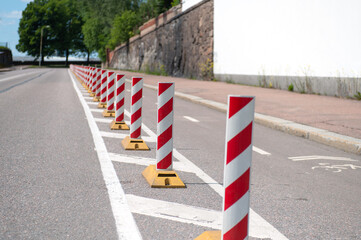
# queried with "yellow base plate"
point(162, 178)
point(107, 113)
point(209, 235)
point(118, 125)
point(92, 94)
point(96, 99)
point(134, 144)
point(89, 91)
point(102, 105)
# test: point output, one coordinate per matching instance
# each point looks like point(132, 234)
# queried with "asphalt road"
point(54, 184)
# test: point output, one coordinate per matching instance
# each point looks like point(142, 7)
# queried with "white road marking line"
point(193, 215)
point(123, 135)
point(124, 221)
point(97, 110)
point(199, 172)
point(260, 227)
point(103, 120)
point(115, 157)
point(108, 120)
point(260, 151)
point(316, 157)
point(92, 103)
point(17, 76)
point(191, 119)
point(175, 211)
point(337, 168)
point(88, 98)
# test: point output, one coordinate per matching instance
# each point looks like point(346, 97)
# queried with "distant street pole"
point(41, 43)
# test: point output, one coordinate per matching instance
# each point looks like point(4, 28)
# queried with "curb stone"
point(345, 143)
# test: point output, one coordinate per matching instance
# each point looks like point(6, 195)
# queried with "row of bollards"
point(237, 165)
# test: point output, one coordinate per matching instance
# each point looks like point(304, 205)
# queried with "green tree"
point(33, 19)
point(123, 28)
point(99, 17)
point(102, 29)
point(62, 37)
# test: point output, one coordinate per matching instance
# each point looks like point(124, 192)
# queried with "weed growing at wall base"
point(206, 70)
point(290, 87)
point(358, 96)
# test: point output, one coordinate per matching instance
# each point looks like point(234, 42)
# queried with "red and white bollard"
point(93, 82)
point(118, 122)
point(134, 142)
point(164, 152)
point(97, 85)
point(237, 168)
point(110, 112)
point(103, 90)
point(162, 175)
point(88, 78)
point(136, 108)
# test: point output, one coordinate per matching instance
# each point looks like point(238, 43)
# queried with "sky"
point(10, 14)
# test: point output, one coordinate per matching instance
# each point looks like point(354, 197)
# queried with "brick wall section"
point(175, 42)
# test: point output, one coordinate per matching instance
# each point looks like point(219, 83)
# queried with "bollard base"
point(102, 105)
point(108, 113)
point(92, 94)
point(209, 235)
point(162, 178)
point(89, 91)
point(118, 125)
point(134, 144)
point(96, 99)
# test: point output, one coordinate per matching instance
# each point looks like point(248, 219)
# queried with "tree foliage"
point(123, 28)
point(61, 26)
point(83, 25)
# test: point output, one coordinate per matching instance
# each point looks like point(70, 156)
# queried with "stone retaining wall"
point(175, 43)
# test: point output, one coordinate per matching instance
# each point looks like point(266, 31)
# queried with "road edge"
point(345, 143)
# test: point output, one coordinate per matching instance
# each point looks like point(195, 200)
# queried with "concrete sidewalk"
point(328, 120)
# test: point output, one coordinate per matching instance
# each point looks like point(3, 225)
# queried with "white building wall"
point(287, 37)
point(189, 3)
